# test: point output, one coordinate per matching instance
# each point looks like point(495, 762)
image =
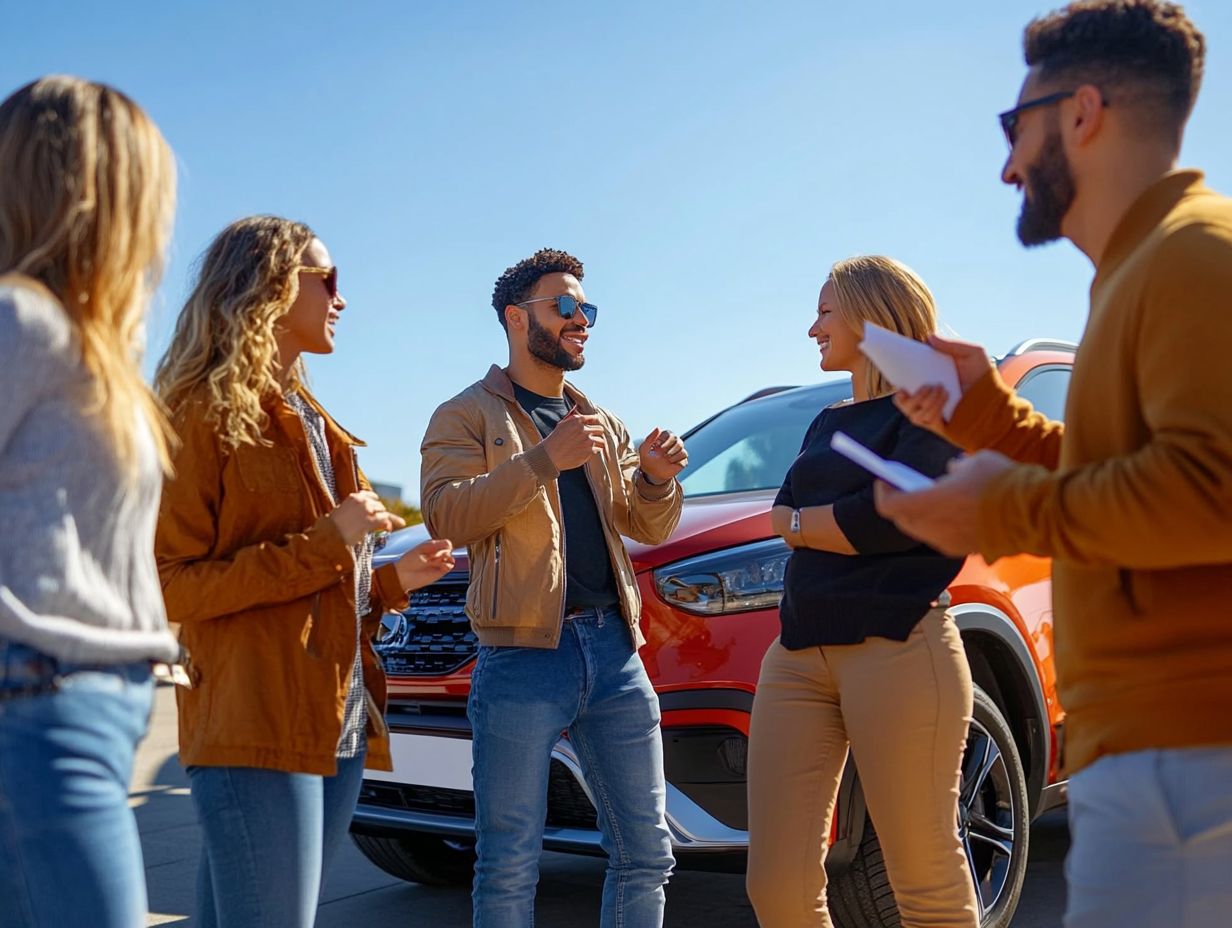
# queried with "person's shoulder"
point(1196, 246)
point(1199, 228)
point(467, 398)
point(464, 410)
point(32, 321)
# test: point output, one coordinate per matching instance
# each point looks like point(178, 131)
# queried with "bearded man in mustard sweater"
point(1132, 497)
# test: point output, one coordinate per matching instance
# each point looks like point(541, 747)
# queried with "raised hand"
point(425, 563)
point(361, 513)
point(576, 439)
point(924, 406)
point(662, 455)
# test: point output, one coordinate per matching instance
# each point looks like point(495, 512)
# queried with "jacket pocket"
point(267, 470)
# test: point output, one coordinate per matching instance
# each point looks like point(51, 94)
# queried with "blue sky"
point(708, 161)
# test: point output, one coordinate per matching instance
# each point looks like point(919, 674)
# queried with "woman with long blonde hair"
point(265, 552)
point(87, 193)
point(869, 658)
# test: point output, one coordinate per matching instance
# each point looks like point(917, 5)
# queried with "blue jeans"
point(267, 837)
point(1151, 840)
point(69, 849)
point(594, 685)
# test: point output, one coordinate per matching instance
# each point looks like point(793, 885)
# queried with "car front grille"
point(432, 637)
point(568, 806)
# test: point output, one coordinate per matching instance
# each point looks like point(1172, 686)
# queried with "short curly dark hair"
point(1146, 46)
point(518, 281)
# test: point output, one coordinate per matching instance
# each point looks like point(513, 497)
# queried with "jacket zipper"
point(564, 558)
point(496, 578)
point(617, 572)
point(355, 467)
point(560, 520)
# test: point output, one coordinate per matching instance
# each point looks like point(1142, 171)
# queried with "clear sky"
point(708, 161)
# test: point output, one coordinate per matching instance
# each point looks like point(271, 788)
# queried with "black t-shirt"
point(883, 591)
point(589, 580)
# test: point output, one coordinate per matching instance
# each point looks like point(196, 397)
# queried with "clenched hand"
point(576, 439)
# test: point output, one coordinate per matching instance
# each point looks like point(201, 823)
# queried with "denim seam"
point(249, 847)
point(601, 793)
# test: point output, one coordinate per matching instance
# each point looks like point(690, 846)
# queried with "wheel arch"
point(1003, 666)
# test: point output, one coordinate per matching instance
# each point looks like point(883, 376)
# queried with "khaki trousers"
point(903, 708)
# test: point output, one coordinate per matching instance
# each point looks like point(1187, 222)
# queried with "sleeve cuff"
point(392, 597)
point(541, 464)
point(334, 548)
point(654, 491)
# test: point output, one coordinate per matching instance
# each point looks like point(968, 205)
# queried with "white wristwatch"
point(795, 521)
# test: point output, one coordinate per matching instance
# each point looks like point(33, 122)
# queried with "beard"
point(546, 347)
point(1047, 195)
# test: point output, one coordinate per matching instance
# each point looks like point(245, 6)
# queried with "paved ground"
point(358, 893)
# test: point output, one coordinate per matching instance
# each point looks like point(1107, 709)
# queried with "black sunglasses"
point(1009, 119)
point(567, 306)
point(329, 273)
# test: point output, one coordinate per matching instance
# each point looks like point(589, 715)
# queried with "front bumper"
point(693, 829)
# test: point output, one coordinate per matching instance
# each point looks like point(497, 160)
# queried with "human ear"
point(1086, 113)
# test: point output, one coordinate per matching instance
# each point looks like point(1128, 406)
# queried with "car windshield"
point(751, 445)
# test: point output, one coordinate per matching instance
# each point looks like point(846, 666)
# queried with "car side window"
point(1045, 388)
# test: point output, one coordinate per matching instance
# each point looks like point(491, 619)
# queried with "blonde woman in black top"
point(867, 659)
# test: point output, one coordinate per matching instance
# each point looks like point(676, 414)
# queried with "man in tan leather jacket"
point(539, 484)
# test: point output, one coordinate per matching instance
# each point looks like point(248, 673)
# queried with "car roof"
point(1029, 346)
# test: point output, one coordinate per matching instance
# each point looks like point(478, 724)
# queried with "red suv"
point(711, 595)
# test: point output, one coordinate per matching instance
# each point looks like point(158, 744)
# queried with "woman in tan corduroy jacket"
point(265, 554)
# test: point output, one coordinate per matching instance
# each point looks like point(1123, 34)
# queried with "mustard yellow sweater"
point(1132, 497)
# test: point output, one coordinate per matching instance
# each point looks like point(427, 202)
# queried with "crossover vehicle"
point(710, 609)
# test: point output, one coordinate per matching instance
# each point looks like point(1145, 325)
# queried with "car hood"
point(707, 523)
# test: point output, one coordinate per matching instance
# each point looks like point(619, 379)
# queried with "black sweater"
point(890, 584)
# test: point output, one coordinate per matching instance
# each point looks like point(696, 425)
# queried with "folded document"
point(909, 364)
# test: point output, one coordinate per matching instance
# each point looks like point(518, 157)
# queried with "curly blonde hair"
point(224, 351)
point(873, 288)
point(87, 197)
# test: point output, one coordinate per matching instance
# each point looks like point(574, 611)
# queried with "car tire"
point(994, 824)
point(421, 858)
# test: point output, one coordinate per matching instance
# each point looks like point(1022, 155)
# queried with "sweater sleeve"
point(856, 513)
point(1169, 502)
point(991, 416)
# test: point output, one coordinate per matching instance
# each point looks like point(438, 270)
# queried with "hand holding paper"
point(910, 365)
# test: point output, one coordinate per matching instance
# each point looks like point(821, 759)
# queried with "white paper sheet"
point(895, 473)
point(909, 364)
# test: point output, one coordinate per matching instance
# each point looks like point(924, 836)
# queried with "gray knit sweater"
point(77, 573)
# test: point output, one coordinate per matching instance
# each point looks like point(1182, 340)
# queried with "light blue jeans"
point(594, 685)
point(69, 849)
point(267, 837)
point(1151, 841)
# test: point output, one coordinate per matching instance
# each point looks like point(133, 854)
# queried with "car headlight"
point(741, 579)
